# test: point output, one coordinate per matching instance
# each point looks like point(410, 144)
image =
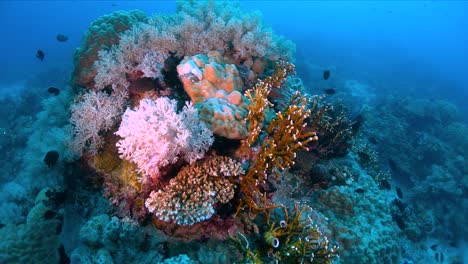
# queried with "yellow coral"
point(286, 136)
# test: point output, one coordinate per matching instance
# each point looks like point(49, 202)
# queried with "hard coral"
point(285, 135)
point(101, 35)
point(190, 196)
point(215, 87)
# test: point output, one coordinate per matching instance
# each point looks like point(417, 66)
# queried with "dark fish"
point(399, 192)
point(437, 256)
point(359, 190)
point(434, 247)
point(142, 85)
point(326, 74)
point(399, 221)
point(49, 214)
point(401, 206)
point(40, 55)
point(56, 198)
point(51, 158)
point(372, 140)
point(64, 259)
point(58, 229)
point(357, 123)
point(441, 257)
point(53, 90)
point(62, 38)
point(385, 185)
point(393, 165)
point(329, 91)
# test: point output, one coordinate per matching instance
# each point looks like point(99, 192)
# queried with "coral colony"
point(160, 97)
point(177, 115)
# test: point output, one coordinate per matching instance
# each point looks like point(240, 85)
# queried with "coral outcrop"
point(101, 35)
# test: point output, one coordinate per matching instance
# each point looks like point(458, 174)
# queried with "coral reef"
point(195, 128)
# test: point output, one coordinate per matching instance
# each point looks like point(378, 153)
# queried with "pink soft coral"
point(154, 135)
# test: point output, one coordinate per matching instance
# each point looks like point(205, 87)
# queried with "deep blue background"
point(420, 44)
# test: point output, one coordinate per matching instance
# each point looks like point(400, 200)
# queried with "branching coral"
point(259, 103)
point(294, 239)
point(190, 196)
point(285, 136)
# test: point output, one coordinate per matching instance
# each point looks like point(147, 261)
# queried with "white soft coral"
point(95, 113)
point(154, 135)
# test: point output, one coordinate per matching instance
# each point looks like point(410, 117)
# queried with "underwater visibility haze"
point(234, 132)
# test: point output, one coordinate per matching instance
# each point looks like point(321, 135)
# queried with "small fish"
point(49, 214)
point(357, 123)
point(359, 190)
point(53, 90)
point(58, 229)
point(329, 91)
point(399, 192)
point(326, 74)
point(51, 158)
point(399, 221)
point(372, 140)
point(64, 259)
point(385, 185)
point(392, 164)
point(434, 247)
point(441, 257)
point(401, 206)
point(62, 38)
point(437, 256)
point(40, 55)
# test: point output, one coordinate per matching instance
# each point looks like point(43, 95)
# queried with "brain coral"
point(101, 35)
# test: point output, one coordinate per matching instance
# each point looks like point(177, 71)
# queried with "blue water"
point(400, 64)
